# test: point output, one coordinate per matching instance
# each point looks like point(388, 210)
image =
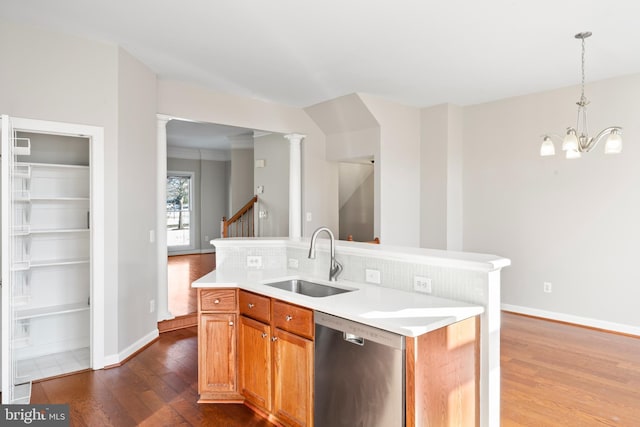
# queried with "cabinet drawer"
point(217, 299)
point(255, 306)
point(292, 318)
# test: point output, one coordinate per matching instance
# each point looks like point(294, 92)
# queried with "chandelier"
point(576, 140)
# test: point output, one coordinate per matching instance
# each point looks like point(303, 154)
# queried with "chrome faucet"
point(335, 268)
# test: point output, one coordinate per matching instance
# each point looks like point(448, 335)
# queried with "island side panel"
point(443, 376)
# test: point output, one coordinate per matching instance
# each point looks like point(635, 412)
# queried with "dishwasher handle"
point(353, 339)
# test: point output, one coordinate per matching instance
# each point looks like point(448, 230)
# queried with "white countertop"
point(405, 313)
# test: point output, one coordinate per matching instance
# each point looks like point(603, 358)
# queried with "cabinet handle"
point(288, 318)
point(251, 305)
point(264, 335)
point(217, 301)
point(230, 323)
point(274, 339)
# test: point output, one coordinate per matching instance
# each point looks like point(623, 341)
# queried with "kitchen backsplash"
point(456, 283)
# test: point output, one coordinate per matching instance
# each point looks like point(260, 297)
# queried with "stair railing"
point(242, 223)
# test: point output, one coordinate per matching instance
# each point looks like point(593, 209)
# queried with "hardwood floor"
point(158, 387)
point(553, 374)
point(182, 270)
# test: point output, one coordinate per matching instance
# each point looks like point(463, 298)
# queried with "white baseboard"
point(115, 359)
point(192, 252)
point(578, 320)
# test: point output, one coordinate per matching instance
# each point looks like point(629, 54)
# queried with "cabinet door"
point(293, 378)
point(217, 353)
point(255, 362)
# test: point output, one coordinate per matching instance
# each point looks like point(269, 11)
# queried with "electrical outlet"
point(372, 276)
point(422, 284)
point(293, 263)
point(152, 306)
point(547, 287)
point(254, 261)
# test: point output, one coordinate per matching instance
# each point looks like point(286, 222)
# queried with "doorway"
point(356, 200)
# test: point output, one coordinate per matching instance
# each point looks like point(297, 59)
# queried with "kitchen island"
point(452, 379)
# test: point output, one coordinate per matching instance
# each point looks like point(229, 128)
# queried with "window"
point(179, 210)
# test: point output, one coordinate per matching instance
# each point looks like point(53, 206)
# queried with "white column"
point(295, 185)
point(161, 223)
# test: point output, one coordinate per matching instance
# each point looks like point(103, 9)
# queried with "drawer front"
point(218, 300)
point(255, 306)
point(292, 318)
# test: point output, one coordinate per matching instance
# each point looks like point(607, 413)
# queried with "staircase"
point(242, 223)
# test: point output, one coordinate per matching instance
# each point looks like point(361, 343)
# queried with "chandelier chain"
point(582, 98)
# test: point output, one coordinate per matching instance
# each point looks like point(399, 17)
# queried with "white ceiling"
point(417, 52)
point(209, 136)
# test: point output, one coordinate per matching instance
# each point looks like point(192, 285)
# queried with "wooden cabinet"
point(293, 378)
point(217, 340)
point(255, 306)
point(272, 370)
point(443, 377)
point(293, 318)
point(255, 362)
point(276, 358)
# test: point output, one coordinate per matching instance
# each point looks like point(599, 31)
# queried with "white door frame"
point(96, 168)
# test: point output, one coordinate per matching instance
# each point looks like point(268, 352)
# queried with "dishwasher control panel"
point(359, 333)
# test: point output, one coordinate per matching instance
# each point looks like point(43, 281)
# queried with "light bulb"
point(547, 148)
point(614, 143)
point(573, 154)
point(570, 141)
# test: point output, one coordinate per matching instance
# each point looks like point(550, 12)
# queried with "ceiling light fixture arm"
point(589, 145)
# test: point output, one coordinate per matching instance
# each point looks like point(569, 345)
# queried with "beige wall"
point(433, 176)
point(241, 190)
point(441, 177)
point(573, 223)
point(137, 181)
point(274, 177)
point(397, 173)
point(214, 189)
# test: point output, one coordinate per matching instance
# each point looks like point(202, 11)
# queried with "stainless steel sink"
point(308, 288)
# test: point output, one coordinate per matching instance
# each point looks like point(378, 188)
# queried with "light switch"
point(260, 163)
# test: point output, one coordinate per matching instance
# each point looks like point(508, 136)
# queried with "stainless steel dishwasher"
point(359, 375)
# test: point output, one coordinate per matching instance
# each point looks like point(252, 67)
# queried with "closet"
point(47, 248)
